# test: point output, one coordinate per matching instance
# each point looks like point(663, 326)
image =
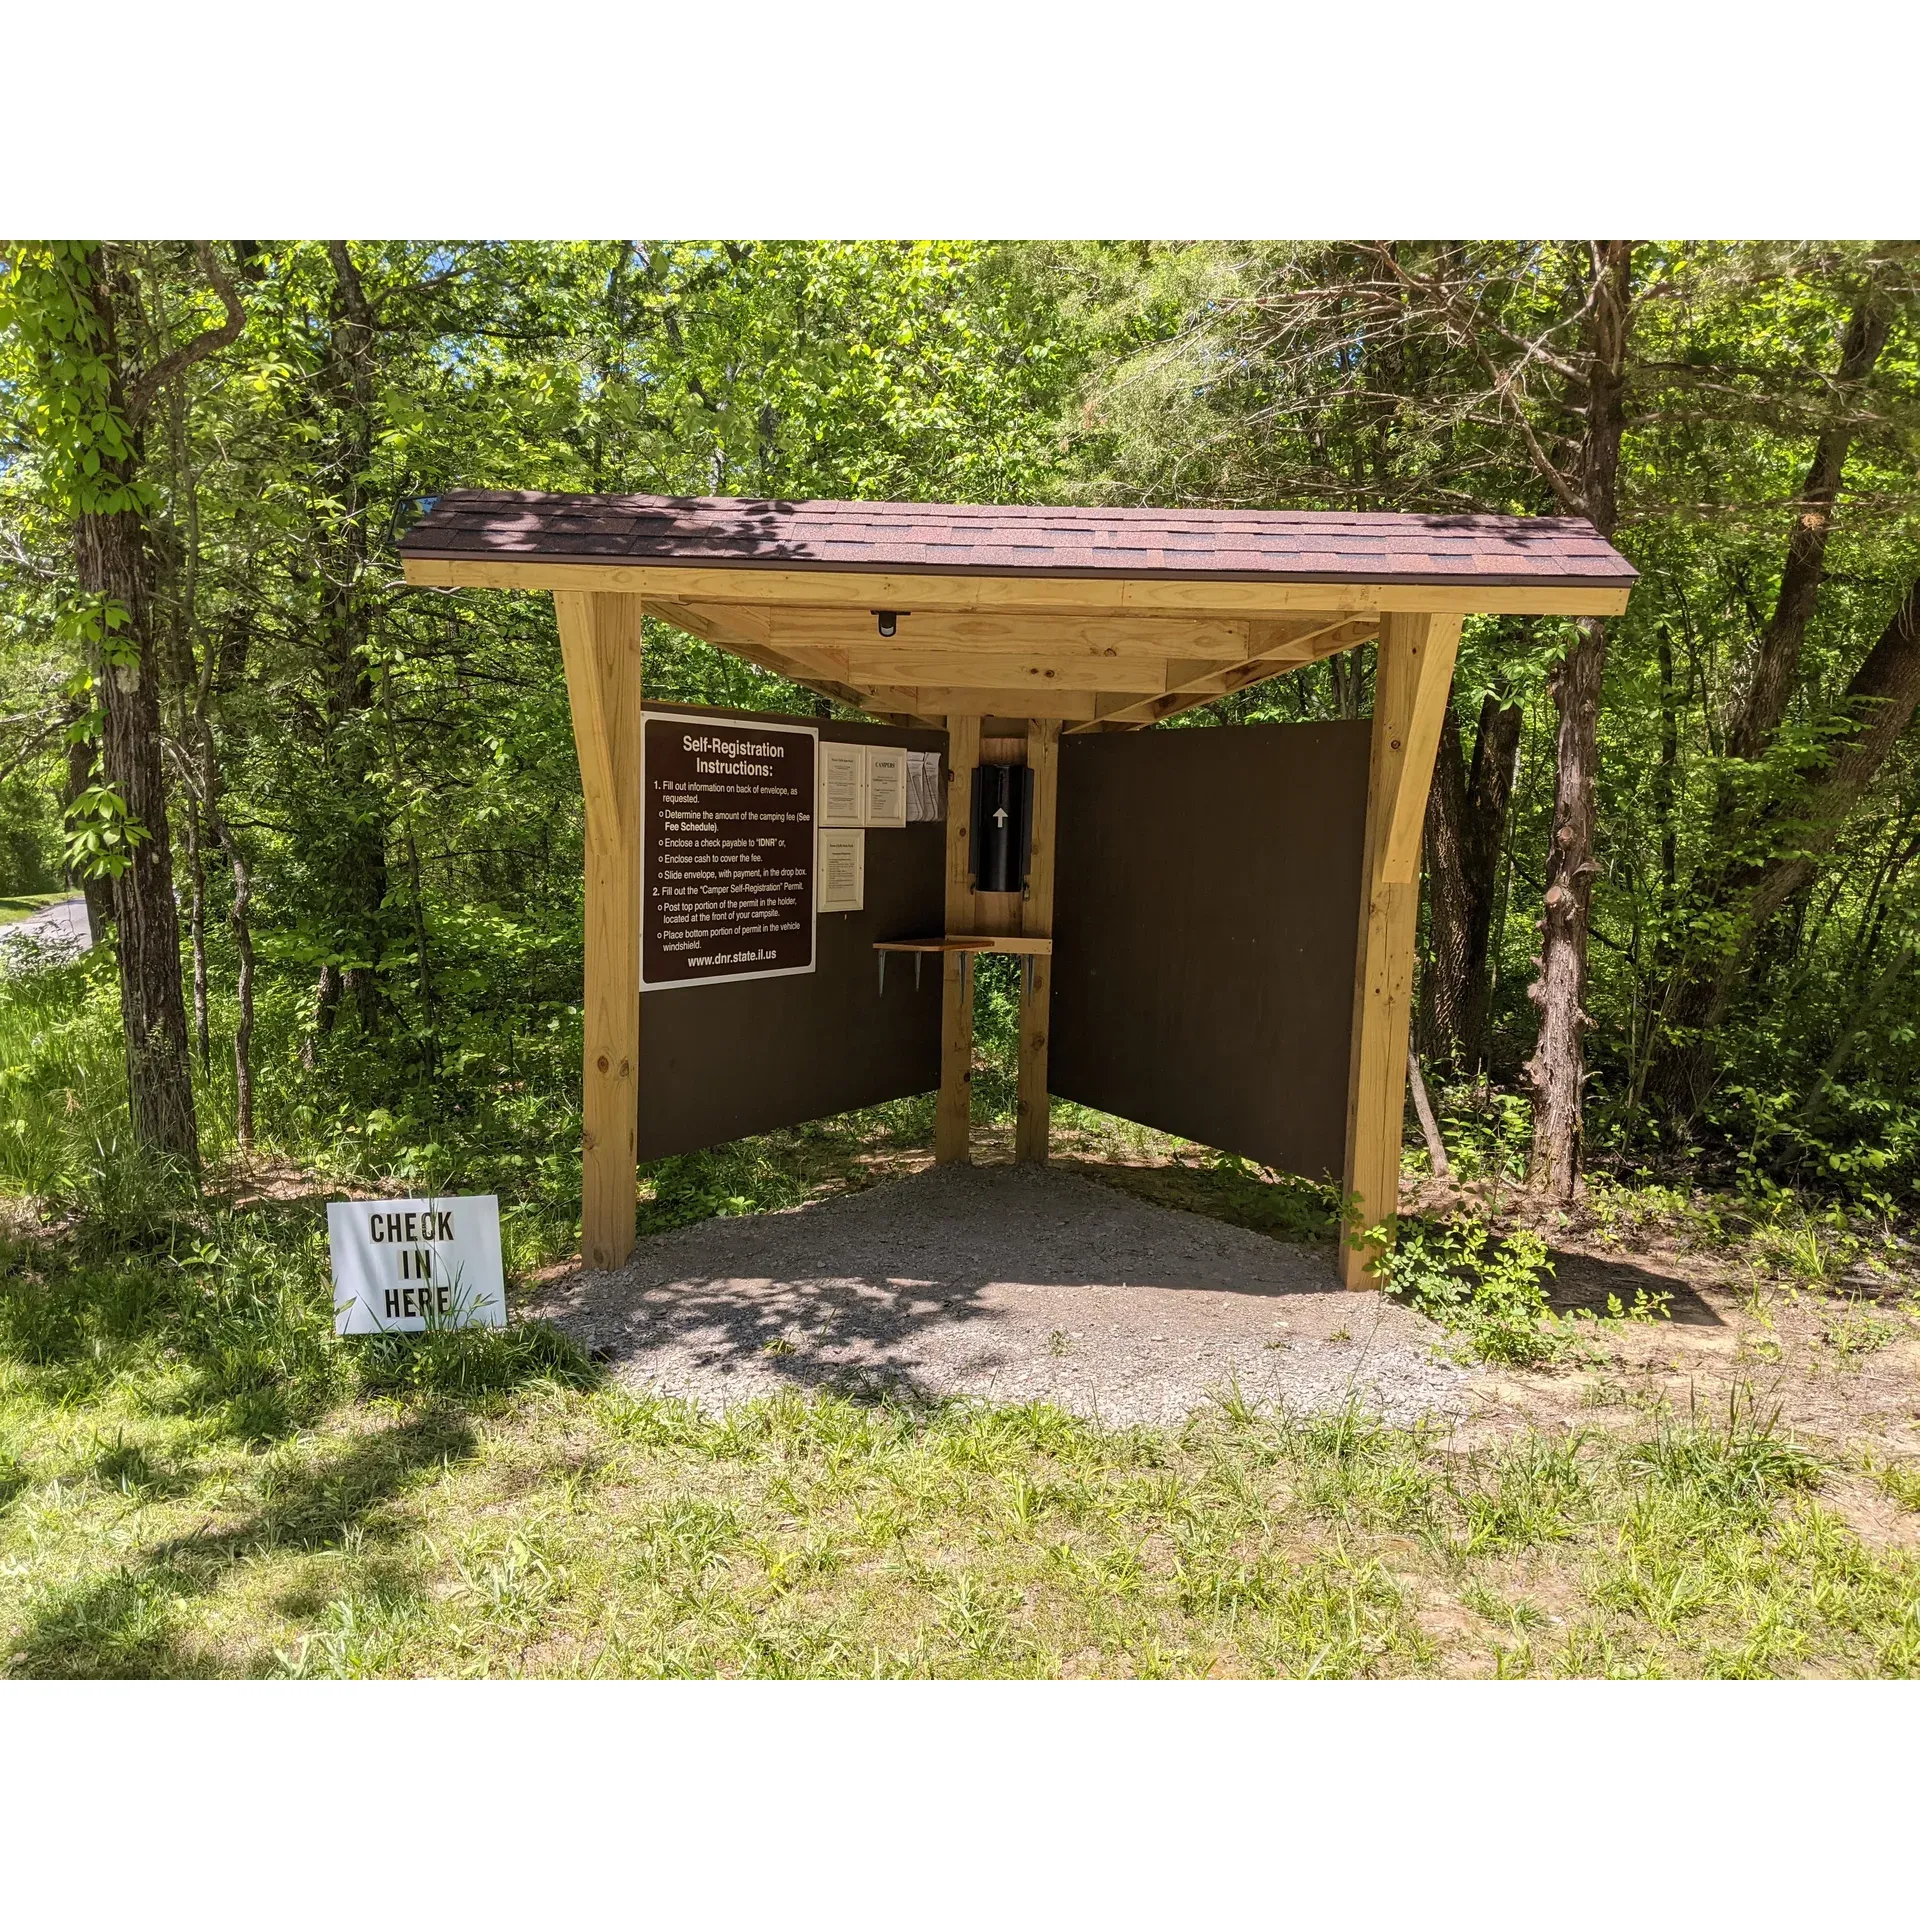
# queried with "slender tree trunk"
point(1444, 980)
point(1556, 1072)
point(1776, 664)
point(240, 915)
point(359, 840)
point(1429, 1126)
point(242, 921)
point(1663, 796)
point(197, 930)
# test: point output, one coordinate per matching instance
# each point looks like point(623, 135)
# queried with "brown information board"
point(727, 850)
point(775, 1052)
point(1205, 915)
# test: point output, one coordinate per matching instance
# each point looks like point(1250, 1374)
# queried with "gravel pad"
point(1002, 1283)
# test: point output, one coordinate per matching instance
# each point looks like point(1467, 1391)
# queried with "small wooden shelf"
point(967, 943)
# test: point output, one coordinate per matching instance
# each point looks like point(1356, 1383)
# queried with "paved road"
point(62, 924)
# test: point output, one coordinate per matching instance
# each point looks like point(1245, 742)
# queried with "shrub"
point(1487, 1292)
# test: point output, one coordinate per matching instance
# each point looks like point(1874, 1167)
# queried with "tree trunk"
point(358, 839)
point(114, 568)
point(326, 1008)
point(1776, 663)
point(197, 933)
point(1466, 824)
point(242, 921)
point(1664, 792)
point(1555, 1072)
point(110, 550)
point(1429, 1126)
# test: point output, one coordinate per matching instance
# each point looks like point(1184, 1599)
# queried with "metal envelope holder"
point(1002, 838)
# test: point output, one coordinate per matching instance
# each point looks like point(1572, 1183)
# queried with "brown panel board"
point(735, 1057)
point(1205, 904)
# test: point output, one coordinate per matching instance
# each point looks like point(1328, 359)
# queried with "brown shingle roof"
point(899, 537)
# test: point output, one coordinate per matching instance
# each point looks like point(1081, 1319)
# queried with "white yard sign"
point(401, 1266)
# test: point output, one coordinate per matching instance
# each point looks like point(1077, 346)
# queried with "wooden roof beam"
point(951, 667)
point(1003, 703)
point(740, 631)
point(1121, 595)
point(1204, 681)
point(1064, 635)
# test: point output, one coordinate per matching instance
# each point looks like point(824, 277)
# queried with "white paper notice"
point(843, 780)
point(886, 787)
point(843, 869)
point(401, 1266)
point(926, 792)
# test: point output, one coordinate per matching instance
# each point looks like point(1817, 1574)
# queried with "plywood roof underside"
point(1102, 618)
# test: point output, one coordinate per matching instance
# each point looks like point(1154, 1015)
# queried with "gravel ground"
point(1003, 1283)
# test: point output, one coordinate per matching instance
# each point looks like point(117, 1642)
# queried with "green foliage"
point(75, 415)
point(101, 834)
point(1489, 1293)
point(996, 1028)
point(398, 766)
point(1339, 374)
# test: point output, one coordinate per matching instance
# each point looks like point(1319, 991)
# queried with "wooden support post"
point(952, 1115)
point(1031, 1111)
point(600, 643)
point(1412, 681)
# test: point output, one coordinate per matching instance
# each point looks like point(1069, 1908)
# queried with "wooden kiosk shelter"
point(1015, 631)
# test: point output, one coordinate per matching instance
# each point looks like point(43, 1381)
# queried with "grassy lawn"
point(196, 1479)
point(564, 1529)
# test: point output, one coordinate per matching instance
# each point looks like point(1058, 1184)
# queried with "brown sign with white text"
point(727, 880)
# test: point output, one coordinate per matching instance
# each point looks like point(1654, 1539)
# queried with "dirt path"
point(1008, 1284)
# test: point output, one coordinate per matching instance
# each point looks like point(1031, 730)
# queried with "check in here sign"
point(402, 1266)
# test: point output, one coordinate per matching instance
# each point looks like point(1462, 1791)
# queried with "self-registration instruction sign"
point(401, 1266)
point(727, 850)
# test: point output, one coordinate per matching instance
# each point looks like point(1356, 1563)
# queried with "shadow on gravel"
point(1015, 1282)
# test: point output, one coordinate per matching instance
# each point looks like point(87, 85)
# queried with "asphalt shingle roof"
point(900, 537)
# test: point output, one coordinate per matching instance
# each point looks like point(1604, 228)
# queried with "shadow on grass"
point(1283, 1207)
point(134, 1623)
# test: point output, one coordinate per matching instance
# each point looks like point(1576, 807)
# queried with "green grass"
point(196, 1477)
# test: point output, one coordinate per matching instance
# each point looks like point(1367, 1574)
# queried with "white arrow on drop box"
point(999, 816)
